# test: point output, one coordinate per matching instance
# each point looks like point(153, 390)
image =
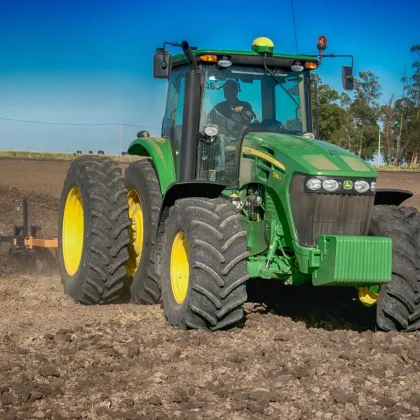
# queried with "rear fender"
point(160, 151)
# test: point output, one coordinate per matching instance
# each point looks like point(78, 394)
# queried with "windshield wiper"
point(277, 81)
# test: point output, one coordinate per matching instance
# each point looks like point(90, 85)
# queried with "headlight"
point(313, 184)
point(361, 186)
point(330, 185)
point(211, 131)
point(373, 186)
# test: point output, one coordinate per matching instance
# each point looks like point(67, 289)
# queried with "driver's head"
point(231, 90)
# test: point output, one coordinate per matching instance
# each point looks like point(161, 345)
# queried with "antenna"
point(294, 25)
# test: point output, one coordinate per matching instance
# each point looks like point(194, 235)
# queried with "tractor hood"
point(307, 156)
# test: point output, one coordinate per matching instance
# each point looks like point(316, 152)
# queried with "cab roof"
point(249, 58)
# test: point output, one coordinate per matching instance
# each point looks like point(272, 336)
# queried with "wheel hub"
point(135, 248)
point(368, 296)
point(179, 267)
point(73, 231)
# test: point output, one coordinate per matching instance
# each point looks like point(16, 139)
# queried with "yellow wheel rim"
point(73, 230)
point(179, 268)
point(367, 297)
point(135, 249)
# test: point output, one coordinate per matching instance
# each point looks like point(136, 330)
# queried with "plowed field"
point(301, 355)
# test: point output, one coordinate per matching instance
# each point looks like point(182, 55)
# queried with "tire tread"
point(398, 305)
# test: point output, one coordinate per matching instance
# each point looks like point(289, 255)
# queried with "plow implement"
point(30, 244)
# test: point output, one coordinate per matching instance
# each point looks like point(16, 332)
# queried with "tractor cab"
point(235, 93)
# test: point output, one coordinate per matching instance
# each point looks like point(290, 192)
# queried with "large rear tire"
point(398, 304)
point(93, 231)
point(204, 269)
point(145, 199)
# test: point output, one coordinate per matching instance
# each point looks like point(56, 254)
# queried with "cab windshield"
point(240, 99)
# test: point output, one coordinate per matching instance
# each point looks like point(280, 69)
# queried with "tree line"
point(355, 123)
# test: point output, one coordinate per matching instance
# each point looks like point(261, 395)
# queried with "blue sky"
point(85, 61)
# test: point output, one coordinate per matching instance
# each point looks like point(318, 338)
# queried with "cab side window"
point(172, 122)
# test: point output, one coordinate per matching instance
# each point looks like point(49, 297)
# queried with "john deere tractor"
point(236, 187)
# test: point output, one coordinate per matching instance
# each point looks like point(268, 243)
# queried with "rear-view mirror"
point(347, 77)
point(162, 64)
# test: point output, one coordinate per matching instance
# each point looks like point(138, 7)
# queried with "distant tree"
point(407, 116)
point(387, 116)
point(353, 123)
point(365, 112)
point(331, 115)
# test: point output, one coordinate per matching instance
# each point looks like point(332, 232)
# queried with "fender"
point(185, 189)
point(391, 196)
point(160, 151)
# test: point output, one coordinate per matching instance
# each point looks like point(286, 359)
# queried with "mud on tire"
point(398, 305)
point(99, 278)
point(140, 176)
point(217, 255)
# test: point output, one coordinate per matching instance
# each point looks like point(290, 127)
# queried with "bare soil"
point(302, 354)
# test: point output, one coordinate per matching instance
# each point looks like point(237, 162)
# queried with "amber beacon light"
point(322, 45)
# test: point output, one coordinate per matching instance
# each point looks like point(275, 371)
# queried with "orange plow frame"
point(34, 242)
point(24, 237)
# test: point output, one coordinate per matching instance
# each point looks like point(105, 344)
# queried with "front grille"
point(317, 214)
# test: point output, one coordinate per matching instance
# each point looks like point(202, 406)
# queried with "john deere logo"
point(348, 185)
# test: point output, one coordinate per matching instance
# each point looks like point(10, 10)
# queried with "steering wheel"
point(246, 115)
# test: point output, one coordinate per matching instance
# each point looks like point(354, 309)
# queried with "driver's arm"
point(246, 110)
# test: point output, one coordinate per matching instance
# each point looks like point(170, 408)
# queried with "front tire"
point(93, 231)
point(204, 269)
point(398, 304)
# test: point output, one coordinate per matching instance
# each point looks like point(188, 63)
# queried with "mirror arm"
point(332, 56)
point(173, 44)
point(186, 48)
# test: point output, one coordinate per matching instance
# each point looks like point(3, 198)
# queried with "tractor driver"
point(231, 116)
point(232, 110)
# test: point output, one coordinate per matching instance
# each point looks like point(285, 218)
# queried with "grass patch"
point(396, 168)
point(15, 154)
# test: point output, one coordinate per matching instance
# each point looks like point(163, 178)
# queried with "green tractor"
point(234, 189)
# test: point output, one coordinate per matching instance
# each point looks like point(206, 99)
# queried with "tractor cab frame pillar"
point(190, 122)
point(190, 118)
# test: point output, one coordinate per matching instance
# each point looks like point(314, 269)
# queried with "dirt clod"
point(155, 400)
point(6, 400)
point(256, 407)
point(35, 395)
point(385, 402)
point(133, 349)
point(49, 370)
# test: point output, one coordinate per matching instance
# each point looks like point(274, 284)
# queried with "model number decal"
point(268, 158)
